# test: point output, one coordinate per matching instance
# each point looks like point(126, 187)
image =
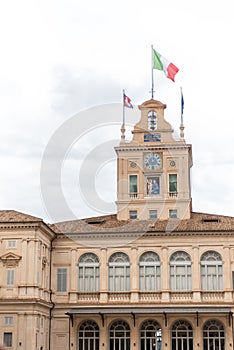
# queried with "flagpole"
point(123, 109)
point(123, 124)
point(152, 73)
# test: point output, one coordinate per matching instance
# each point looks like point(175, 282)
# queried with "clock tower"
point(154, 169)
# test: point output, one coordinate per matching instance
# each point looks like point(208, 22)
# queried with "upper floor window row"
point(207, 258)
point(180, 266)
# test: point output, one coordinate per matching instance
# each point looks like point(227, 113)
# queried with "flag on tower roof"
point(127, 102)
point(182, 103)
point(161, 63)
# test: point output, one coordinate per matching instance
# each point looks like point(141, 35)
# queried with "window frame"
point(8, 320)
point(133, 185)
point(215, 341)
point(88, 273)
point(62, 278)
point(11, 244)
point(173, 191)
point(133, 215)
point(119, 335)
point(8, 339)
point(150, 335)
point(182, 335)
point(173, 214)
point(10, 277)
point(180, 271)
point(149, 272)
point(211, 274)
point(119, 272)
point(88, 335)
point(151, 212)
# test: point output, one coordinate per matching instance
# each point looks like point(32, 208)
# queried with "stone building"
point(154, 276)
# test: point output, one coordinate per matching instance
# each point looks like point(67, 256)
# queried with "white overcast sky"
point(61, 57)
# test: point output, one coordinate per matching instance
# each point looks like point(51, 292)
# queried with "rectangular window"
point(61, 280)
point(172, 183)
point(173, 213)
point(152, 185)
point(10, 277)
point(153, 214)
point(133, 190)
point(8, 320)
point(133, 214)
point(7, 339)
point(11, 244)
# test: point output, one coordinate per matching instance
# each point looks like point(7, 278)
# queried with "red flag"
point(127, 102)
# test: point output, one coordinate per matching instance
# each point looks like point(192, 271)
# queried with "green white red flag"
point(161, 63)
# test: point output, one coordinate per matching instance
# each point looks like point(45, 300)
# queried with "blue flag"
point(182, 104)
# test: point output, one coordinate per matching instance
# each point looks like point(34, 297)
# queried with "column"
point(73, 276)
point(23, 268)
point(103, 276)
point(134, 275)
point(196, 274)
point(227, 274)
point(165, 275)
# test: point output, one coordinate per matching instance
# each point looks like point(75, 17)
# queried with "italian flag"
point(161, 63)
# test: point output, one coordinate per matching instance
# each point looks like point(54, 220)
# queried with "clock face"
point(152, 161)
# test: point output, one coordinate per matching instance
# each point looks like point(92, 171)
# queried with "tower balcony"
point(138, 195)
point(133, 195)
point(173, 194)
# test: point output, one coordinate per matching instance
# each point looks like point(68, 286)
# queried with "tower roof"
point(152, 104)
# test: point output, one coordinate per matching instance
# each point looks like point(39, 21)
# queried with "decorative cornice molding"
point(152, 148)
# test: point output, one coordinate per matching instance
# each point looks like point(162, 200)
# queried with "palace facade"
point(153, 276)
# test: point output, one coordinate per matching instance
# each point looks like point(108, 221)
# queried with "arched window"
point(213, 335)
point(150, 277)
point(152, 120)
point(119, 272)
point(119, 336)
point(151, 335)
point(180, 271)
point(182, 335)
point(88, 273)
point(211, 271)
point(88, 336)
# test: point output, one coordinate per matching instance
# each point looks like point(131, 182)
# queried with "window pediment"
point(10, 259)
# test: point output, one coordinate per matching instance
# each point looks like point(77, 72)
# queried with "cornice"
point(27, 225)
point(136, 234)
point(152, 148)
point(14, 225)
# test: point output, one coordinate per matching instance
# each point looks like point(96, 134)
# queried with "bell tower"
point(153, 170)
